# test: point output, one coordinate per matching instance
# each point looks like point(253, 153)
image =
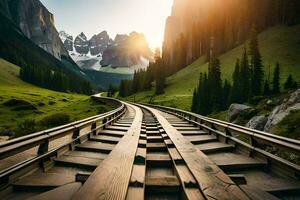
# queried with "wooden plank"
point(95, 147)
point(236, 160)
point(135, 193)
point(112, 133)
point(162, 184)
point(138, 175)
point(257, 194)
point(198, 132)
point(122, 124)
point(22, 146)
point(64, 192)
point(154, 139)
point(46, 180)
point(270, 182)
point(86, 154)
point(187, 128)
point(194, 194)
point(175, 154)
point(200, 139)
point(186, 124)
point(78, 161)
point(149, 128)
point(111, 179)
point(212, 147)
point(118, 128)
point(156, 147)
point(105, 139)
point(158, 159)
point(185, 176)
point(211, 179)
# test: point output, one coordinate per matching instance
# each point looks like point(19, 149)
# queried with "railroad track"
point(147, 152)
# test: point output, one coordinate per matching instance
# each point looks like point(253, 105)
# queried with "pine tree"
point(267, 90)
point(195, 102)
point(257, 73)
point(235, 96)
point(214, 79)
point(226, 94)
point(295, 85)
point(245, 77)
point(206, 105)
point(215, 84)
point(160, 77)
point(122, 89)
point(276, 80)
point(290, 83)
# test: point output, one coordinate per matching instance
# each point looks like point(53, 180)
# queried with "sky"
point(114, 16)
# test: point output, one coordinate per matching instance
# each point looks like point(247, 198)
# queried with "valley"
point(150, 99)
point(34, 104)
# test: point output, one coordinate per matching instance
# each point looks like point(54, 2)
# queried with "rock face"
point(257, 122)
point(86, 53)
point(241, 111)
point(98, 43)
point(127, 51)
point(36, 22)
point(81, 44)
point(67, 40)
point(289, 104)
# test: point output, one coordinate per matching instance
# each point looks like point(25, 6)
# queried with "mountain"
point(193, 24)
point(98, 43)
point(130, 51)
point(127, 51)
point(81, 44)
point(86, 53)
point(29, 39)
point(36, 22)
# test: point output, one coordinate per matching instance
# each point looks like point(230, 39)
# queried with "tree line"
point(248, 81)
point(143, 78)
point(53, 79)
point(228, 24)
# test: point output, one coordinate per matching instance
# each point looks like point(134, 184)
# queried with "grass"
point(45, 102)
point(289, 126)
point(278, 44)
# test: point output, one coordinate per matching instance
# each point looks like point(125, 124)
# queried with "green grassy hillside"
point(278, 44)
point(37, 103)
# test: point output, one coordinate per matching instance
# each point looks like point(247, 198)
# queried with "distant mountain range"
point(101, 51)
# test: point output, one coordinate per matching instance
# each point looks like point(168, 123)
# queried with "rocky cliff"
point(127, 51)
point(98, 43)
point(87, 53)
point(36, 22)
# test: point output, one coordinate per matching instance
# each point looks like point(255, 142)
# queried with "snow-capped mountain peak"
point(100, 50)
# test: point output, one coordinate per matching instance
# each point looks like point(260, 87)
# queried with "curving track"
point(148, 152)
